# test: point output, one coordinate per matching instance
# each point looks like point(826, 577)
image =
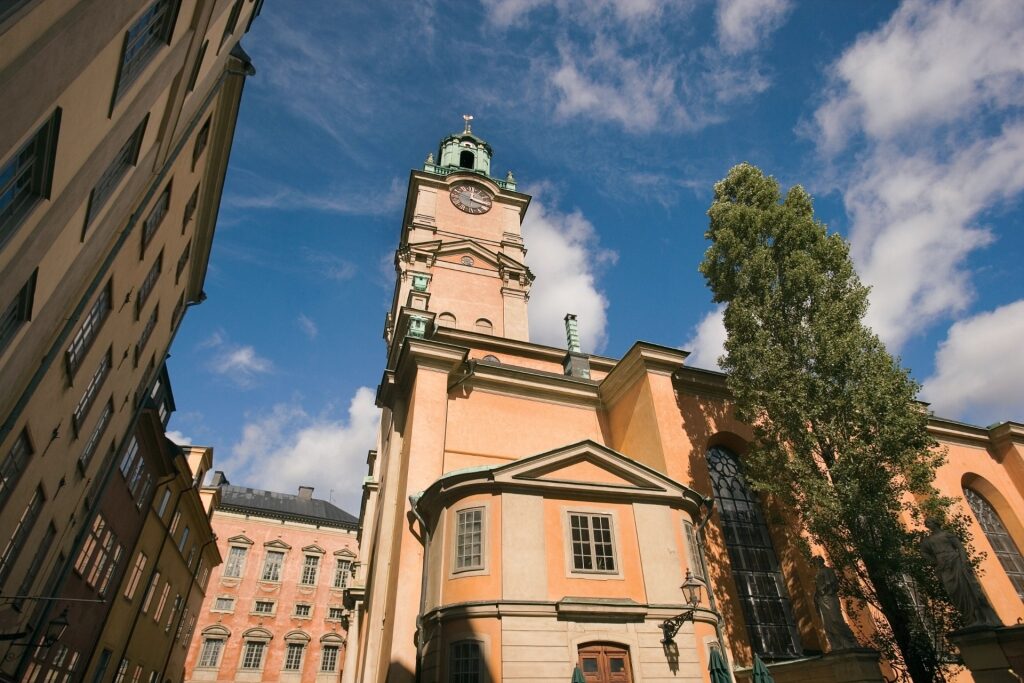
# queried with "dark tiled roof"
point(284, 506)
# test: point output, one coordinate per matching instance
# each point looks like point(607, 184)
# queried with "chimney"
point(305, 493)
point(576, 363)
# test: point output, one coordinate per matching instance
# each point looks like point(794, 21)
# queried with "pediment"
point(587, 464)
point(241, 540)
point(277, 543)
point(344, 552)
point(314, 549)
point(452, 252)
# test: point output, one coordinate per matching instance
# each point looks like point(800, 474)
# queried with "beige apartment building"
point(118, 119)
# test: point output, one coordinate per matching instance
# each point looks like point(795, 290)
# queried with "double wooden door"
point(601, 663)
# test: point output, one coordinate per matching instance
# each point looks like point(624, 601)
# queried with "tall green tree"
point(839, 436)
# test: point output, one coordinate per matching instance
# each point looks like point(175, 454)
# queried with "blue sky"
point(904, 120)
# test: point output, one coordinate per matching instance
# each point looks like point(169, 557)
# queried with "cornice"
point(590, 608)
point(701, 382)
point(950, 430)
point(529, 383)
point(515, 347)
point(642, 359)
point(1006, 433)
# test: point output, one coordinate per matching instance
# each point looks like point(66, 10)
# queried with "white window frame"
point(485, 515)
point(570, 568)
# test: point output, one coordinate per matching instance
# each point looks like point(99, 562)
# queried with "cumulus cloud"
point(935, 94)
point(565, 256)
point(742, 25)
point(979, 368)
point(708, 341)
point(239, 363)
point(179, 438)
point(338, 199)
point(288, 447)
point(307, 326)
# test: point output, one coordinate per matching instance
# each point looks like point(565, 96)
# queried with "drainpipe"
point(413, 500)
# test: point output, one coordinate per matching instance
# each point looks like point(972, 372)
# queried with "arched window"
point(484, 325)
point(446, 319)
point(755, 566)
point(467, 159)
point(999, 538)
point(213, 645)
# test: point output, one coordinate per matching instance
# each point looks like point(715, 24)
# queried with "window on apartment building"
point(18, 312)
point(236, 561)
point(469, 539)
point(465, 662)
point(183, 540)
point(303, 610)
point(209, 657)
point(204, 574)
point(158, 612)
point(175, 606)
point(154, 584)
point(130, 453)
point(164, 500)
point(591, 538)
point(101, 666)
point(341, 572)
point(96, 435)
point(293, 656)
point(136, 575)
point(155, 218)
point(14, 464)
point(263, 607)
point(175, 521)
point(190, 209)
point(36, 565)
point(99, 555)
point(272, 566)
point(224, 605)
point(329, 658)
point(126, 157)
point(12, 550)
point(334, 613)
point(88, 330)
point(310, 567)
point(148, 283)
point(229, 28)
point(99, 376)
point(256, 640)
point(122, 671)
point(202, 138)
point(25, 178)
point(182, 262)
point(998, 537)
point(147, 332)
point(188, 621)
point(137, 674)
point(193, 76)
point(191, 555)
point(150, 32)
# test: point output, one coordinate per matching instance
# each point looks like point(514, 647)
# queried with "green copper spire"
point(466, 152)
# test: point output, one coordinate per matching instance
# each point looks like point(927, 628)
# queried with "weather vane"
point(467, 118)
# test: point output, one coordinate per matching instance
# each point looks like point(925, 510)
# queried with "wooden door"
point(602, 663)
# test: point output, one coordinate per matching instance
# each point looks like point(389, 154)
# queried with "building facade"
point(274, 610)
point(530, 510)
point(118, 120)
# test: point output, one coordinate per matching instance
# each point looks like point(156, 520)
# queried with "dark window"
point(467, 160)
point(329, 658)
point(147, 332)
point(156, 217)
point(17, 313)
point(146, 288)
point(37, 560)
point(999, 538)
point(151, 31)
point(179, 310)
point(90, 327)
point(182, 262)
point(194, 76)
point(755, 566)
point(201, 139)
point(14, 464)
point(465, 665)
point(12, 551)
point(25, 178)
point(127, 157)
point(592, 546)
point(293, 657)
point(229, 28)
point(89, 395)
point(97, 434)
point(190, 209)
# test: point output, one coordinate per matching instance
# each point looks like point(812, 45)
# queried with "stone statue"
point(826, 597)
point(943, 549)
point(430, 158)
point(509, 178)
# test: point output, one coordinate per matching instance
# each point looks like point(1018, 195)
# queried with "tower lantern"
point(465, 151)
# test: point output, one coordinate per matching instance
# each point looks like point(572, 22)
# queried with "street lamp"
point(54, 632)
point(691, 593)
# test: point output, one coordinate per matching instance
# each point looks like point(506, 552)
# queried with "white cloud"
point(935, 93)
point(742, 25)
point(564, 255)
point(979, 368)
point(340, 200)
point(287, 448)
point(307, 326)
point(179, 438)
point(238, 362)
point(708, 341)
point(509, 12)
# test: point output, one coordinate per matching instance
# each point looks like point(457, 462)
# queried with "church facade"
point(534, 513)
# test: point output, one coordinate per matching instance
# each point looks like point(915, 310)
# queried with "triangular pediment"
point(453, 252)
point(277, 543)
point(314, 549)
point(344, 552)
point(241, 540)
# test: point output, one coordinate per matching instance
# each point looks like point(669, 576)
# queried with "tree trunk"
point(920, 658)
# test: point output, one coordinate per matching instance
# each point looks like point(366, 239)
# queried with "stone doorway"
point(604, 663)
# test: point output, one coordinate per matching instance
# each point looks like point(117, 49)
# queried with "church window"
point(999, 538)
point(467, 159)
point(592, 547)
point(469, 539)
point(465, 662)
point(755, 566)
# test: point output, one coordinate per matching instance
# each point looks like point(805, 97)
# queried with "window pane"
point(464, 666)
point(469, 539)
point(999, 538)
point(272, 566)
point(236, 560)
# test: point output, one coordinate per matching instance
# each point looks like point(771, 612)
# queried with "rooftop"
point(301, 507)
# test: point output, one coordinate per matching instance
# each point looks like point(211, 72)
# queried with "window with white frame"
point(693, 550)
point(469, 539)
point(329, 658)
point(334, 613)
point(136, 575)
point(464, 663)
point(593, 549)
point(342, 568)
point(236, 561)
point(293, 656)
point(87, 331)
point(303, 610)
point(213, 646)
point(310, 567)
point(272, 566)
point(252, 655)
point(222, 604)
point(263, 607)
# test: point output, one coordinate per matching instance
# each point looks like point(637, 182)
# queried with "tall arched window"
point(755, 566)
point(998, 537)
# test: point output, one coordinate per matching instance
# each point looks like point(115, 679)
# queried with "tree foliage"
point(839, 436)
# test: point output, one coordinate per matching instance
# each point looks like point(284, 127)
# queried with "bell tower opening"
point(467, 160)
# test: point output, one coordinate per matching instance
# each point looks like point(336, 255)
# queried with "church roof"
point(284, 506)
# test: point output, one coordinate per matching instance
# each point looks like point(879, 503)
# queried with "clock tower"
point(460, 263)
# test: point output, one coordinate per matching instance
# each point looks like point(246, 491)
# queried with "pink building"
point(273, 610)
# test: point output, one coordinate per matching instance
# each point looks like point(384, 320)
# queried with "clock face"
point(471, 198)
